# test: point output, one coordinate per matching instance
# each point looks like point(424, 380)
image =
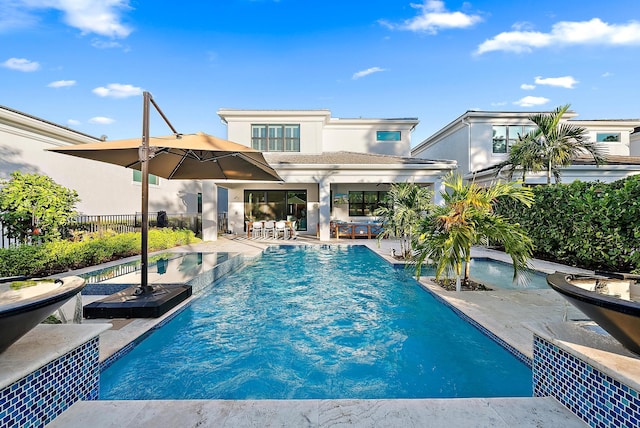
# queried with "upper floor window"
point(608, 137)
point(137, 178)
point(388, 136)
point(275, 138)
point(506, 136)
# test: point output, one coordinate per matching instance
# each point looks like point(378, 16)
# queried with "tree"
point(402, 209)
point(35, 205)
point(447, 233)
point(553, 144)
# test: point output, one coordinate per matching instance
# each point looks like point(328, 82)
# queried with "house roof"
point(325, 115)
point(348, 158)
point(17, 117)
point(611, 160)
point(587, 160)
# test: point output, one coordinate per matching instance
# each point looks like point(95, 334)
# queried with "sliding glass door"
point(288, 205)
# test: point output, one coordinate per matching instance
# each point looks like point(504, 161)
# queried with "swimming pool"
point(498, 275)
point(316, 322)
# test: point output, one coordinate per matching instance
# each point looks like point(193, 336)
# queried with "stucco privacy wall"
point(103, 188)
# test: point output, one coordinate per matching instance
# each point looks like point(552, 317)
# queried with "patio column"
point(209, 211)
point(438, 188)
point(324, 193)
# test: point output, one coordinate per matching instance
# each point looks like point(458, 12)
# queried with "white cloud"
point(101, 120)
point(366, 72)
point(563, 82)
point(61, 83)
point(21, 64)
point(607, 74)
point(103, 17)
point(14, 16)
point(73, 122)
point(499, 104)
point(565, 33)
point(527, 87)
point(117, 90)
point(530, 101)
point(434, 17)
point(104, 44)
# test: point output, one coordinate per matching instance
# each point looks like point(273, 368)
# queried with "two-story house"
point(478, 140)
point(333, 169)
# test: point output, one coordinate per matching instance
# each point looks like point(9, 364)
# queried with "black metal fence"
point(122, 223)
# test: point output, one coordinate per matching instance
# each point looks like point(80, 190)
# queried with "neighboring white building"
point(634, 142)
point(478, 140)
point(103, 188)
point(333, 169)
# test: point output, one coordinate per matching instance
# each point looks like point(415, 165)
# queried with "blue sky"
point(85, 63)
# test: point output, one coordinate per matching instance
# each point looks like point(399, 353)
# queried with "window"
point(364, 203)
point(608, 137)
point(137, 178)
point(499, 139)
point(506, 136)
point(388, 135)
point(288, 205)
point(275, 138)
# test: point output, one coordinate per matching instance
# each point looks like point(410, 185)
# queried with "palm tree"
point(447, 233)
point(551, 145)
point(403, 208)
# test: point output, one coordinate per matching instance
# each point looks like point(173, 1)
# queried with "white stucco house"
point(103, 188)
point(478, 140)
point(333, 169)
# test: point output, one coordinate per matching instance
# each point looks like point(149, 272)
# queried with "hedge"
point(60, 256)
point(591, 225)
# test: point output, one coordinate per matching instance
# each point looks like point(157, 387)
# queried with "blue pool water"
point(316, 322)
point(499, 275)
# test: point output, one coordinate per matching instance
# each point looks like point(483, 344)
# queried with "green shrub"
point(61, 256)
point(34, 206)
point(590, 225)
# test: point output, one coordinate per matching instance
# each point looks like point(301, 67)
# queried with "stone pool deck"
point(505, 313)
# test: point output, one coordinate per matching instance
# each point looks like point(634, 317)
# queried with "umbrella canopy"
point(191, 157)
point(295, 200)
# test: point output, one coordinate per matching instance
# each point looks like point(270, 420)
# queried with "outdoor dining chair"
point(269, 229)
point(282, 230)
point(257, 229)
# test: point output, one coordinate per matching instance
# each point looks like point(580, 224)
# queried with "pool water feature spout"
point(25, 303)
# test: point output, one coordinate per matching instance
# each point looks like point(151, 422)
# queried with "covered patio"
point(321, 190)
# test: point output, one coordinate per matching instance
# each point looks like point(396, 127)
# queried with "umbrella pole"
point(144, 169)
point(144, 154)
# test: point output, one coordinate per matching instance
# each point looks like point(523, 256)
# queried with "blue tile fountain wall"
point(595, 397)
point(39, 397)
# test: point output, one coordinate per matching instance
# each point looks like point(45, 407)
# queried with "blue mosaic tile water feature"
point(39, 397)
point(592, 395)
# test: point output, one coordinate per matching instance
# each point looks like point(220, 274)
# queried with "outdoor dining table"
point(289, 224)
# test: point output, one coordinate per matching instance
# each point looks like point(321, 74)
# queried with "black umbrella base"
point(128, 304)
